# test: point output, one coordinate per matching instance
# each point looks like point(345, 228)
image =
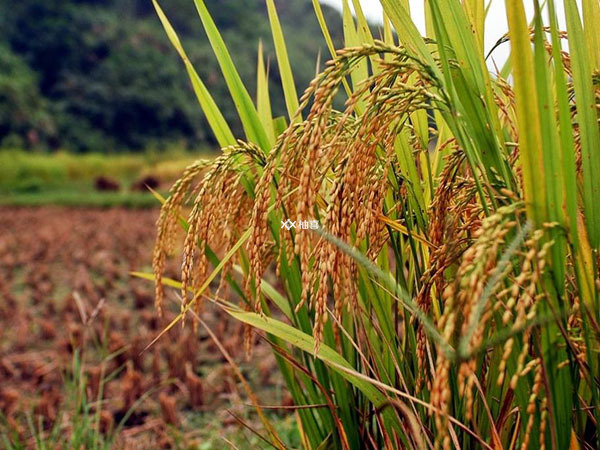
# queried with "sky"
point(496, 25)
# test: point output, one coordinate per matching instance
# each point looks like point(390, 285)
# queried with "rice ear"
point(169, 215)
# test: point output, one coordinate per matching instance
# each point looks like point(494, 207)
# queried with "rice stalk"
point(433, 176)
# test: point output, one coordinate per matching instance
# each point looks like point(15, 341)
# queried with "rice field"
point(408, 259)
point(74, 325)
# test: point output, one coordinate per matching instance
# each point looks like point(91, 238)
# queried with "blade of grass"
point(213, 114)
point(469, 85)
point(476, 12)
point(283, 61)
point(587, 119)
point(333, 359)
point(263, 101)
point(408, 33)
point(328, 40)
point(552, 155)
point(202, 288)
point(388, 279)
point(576, 231)
point(243, 103)
point(528, 120)
point(364, 33)
point(324, 29)
point(306, 343)
point(351, 39)
point(591, 23)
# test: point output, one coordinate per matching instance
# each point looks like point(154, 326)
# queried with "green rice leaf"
point(325, 353)
point(408, 33)
point(285, 71)
point(351, 39)
point(215, 118)
point(587, 118)
point(324, 28)
point(591, 23)
point(532, 159)
point(243, 103)
point(263, 101)
point(476, 12)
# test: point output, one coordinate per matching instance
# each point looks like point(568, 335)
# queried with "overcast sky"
point(495, 28)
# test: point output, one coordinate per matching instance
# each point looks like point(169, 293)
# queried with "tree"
point(24, 118)
point(105, 73)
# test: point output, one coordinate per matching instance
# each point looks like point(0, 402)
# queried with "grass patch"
point(67, 179)
point(81, 199)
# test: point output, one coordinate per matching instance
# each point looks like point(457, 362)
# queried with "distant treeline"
point(101, 75)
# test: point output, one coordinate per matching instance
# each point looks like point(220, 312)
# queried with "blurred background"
point(101, 75)
point(94, 97)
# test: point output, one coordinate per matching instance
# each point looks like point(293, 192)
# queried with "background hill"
point(100, 75)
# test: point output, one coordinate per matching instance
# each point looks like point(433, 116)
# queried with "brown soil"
point(65, 288)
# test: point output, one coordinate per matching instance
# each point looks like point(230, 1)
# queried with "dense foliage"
point(100, 74)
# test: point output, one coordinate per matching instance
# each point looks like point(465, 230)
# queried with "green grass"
point(74, 198)
point(79, 414)
point(67, 179)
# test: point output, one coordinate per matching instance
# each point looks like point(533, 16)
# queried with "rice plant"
point(434, 243)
